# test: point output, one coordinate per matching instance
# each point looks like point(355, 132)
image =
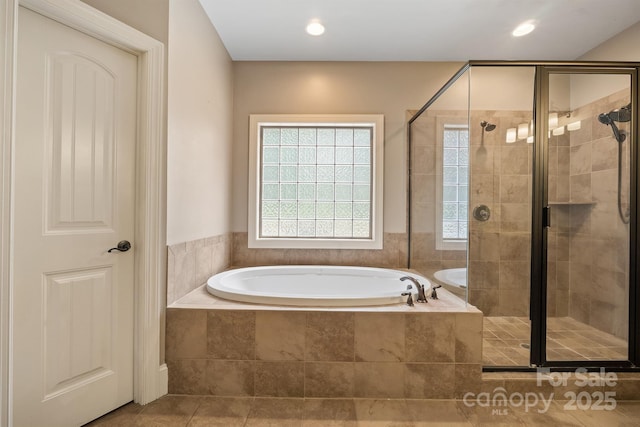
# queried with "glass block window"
point(455, 182)
point(316, 182)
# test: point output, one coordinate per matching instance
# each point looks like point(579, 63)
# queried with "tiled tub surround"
point(190, 264)
point(222, 348)
point(392, 255)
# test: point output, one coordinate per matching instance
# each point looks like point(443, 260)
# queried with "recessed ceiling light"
point(315, 28)
point(524, 28)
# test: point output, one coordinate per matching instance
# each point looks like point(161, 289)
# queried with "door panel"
point(80, 152)
point(74, 199)
point(589, 236)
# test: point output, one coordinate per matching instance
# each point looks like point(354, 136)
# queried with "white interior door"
point(74, 200)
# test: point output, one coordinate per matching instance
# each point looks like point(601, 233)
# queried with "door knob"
point(123, 246)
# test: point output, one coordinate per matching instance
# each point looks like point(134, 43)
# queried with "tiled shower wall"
point(499, 249)
point(589, 244)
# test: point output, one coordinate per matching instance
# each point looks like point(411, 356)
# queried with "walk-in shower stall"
point(523, 200)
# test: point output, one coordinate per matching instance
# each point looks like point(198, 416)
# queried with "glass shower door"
point(588, 210)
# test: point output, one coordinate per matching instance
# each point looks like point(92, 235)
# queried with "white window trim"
point(376, 121)
point(441, 123)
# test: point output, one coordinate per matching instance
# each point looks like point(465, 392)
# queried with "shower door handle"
point(546, 217)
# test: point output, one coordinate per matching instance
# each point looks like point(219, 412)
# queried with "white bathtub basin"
point(324, 286)
point(452, 276)
point(454, 280)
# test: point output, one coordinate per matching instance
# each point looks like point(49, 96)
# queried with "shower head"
point(619, 115)
point(605, 118)
point(487, 126)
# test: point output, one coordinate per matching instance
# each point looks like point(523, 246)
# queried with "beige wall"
point(199, 87)
point(622, 47)
point(199, 127)
point(335, 87)
point(149, 16)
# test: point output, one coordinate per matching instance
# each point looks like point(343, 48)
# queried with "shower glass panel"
point(439, 168)
point(471, 168)
point(500, 244)
point(588, 195)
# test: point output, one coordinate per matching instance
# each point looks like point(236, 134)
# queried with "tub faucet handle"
point(409, 296)
point(434, 294)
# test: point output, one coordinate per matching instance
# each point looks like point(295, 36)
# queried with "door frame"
point(540, 222)
point(150, 373)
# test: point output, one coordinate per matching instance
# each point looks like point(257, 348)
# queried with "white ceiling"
point(416, 30)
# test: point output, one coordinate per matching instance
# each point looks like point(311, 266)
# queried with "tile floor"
point(192, 411)
point(567, 339)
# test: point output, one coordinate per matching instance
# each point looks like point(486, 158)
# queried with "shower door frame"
point(540, 209)
point(541, 213)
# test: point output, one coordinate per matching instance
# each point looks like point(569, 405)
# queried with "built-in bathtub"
point(315, 286)
point(453, 279)
point(216, 346)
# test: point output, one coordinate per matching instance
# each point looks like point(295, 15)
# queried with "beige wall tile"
point(183, 274)
point(429, 381)
point(280, 335)
point(484, 246)
point(329, 379)
point(190, 264)
point(514, 160)
point(187, 376)
point(186, 334)
point(514, 275)
point(483, 275)
point(468, 379)
point(203, 263)
point(486, 300)
point(514, 189)
point(430, 337)
point(604, 155)
point(330, 336)
point(580, 188)
point(379, 380)
point(230, 377)
point(468, 336)
point(513, 302)
point(379, 337)
point(515, 246)
point(231, 334)
point(580, 159)
point(515, 217)
point(279, 379)
point(484, 159)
